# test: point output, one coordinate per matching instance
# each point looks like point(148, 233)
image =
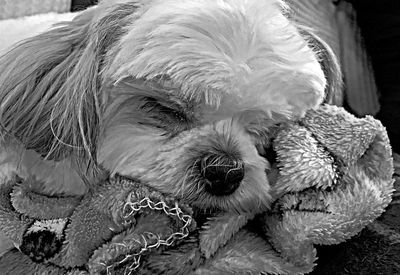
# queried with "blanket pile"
point(332, 174)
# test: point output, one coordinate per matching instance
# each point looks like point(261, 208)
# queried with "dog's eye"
point(162, 112)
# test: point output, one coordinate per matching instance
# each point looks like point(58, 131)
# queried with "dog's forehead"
point(202, 44)
point(213, 51)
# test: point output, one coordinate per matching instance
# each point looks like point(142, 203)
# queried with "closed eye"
point(162, 112)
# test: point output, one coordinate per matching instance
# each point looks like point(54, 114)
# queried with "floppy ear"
point(50, 84)
point(329, 64)
point(42, 83)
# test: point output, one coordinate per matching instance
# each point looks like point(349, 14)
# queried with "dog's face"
point(181, 95)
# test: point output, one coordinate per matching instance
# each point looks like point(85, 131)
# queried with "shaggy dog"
point(180, 95)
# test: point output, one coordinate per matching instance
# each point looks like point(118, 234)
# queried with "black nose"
point(223, 174)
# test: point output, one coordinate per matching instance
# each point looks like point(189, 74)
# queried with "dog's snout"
point(223, 174)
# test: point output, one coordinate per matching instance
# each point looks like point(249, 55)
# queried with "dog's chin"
point(242, 200)
point(231, 203)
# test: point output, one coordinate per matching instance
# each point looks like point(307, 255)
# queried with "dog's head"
point(181, 95)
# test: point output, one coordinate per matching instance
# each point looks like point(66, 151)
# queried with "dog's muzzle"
point(223, 174)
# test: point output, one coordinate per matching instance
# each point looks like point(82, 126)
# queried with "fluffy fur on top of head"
point(168, 92)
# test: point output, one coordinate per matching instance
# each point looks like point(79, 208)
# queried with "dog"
point(181, 95)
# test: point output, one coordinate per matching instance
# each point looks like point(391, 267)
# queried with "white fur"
point(242, 52)
point(149, 89)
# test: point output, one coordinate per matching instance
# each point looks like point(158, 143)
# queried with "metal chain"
point(132, 207)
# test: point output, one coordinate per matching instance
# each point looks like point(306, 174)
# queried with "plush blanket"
point(331, 175)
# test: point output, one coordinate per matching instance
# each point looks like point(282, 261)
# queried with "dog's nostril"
point(223, 174)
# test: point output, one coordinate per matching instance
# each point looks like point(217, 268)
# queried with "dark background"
point(82, 4)
point(380, 26)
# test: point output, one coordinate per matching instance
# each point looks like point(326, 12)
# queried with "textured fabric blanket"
point(331, 175)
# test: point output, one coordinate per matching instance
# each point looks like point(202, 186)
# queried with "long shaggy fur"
point(50, 84)
point(150, 88)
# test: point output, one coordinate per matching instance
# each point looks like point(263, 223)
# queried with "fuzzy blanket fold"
point(332, 177)
point(336, 174)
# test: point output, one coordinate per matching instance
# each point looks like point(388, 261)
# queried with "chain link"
point(132, 207)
